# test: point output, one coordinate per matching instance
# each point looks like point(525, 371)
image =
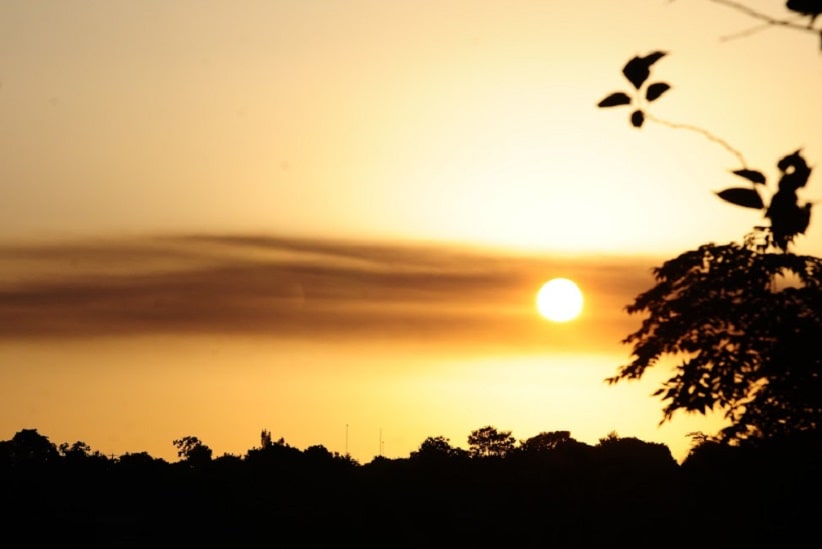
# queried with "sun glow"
point(559, 300)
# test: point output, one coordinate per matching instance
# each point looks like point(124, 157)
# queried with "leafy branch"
point(788, 218)
point(637, 71)
point(748, 347)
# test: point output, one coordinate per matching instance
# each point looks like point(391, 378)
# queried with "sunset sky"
point(330, 217)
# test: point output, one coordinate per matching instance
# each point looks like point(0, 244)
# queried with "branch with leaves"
point(747, 346)
point(637, 71)
point(787, 217)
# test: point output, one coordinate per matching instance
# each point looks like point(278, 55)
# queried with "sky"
point(329, 219)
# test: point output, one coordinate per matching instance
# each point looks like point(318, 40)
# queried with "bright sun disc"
point(559, 300)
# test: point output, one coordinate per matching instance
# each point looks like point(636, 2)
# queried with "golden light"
point(559, 300)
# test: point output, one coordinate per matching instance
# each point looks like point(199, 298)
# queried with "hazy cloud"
point(299, 288)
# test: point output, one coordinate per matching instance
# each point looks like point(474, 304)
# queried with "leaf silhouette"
point(788, 218)
point(653, 57)
point(795, 171)
point(655, 90)
point(754, 176)
point(637, 118)
point(615, 99)
point(811, 8)
point(747, 198)
point(638, 68)
point(793, 161)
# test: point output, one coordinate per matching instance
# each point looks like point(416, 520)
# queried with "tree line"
point(548, 489)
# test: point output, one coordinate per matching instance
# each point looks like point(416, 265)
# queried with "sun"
point(559, 300)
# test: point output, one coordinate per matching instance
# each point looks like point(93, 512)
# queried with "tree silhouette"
point(78, 450)
point(30, 448)
point(435, 448)
point(749, 345)
point(489, 442)
point(743, 320)
point(192, 450)
point(546, 442)
point(265, 439)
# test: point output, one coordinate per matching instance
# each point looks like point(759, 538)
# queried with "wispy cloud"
point(300, 288)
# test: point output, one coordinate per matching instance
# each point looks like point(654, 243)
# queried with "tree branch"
point(769, 21)
point(700, 131)
point(744, 33)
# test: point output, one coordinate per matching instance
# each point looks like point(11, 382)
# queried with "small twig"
point(748, 32)
point(766, 18)
point(702, 132)
point(744, 33)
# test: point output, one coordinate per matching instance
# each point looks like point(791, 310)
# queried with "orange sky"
point(448, 120)
point(448, 123)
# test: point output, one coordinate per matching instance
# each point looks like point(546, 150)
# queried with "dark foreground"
point(564, 494)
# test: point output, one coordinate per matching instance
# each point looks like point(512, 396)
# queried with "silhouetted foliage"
point(278, 453)
point(747, 198)
point(748, 343)
point(811, 8)
point(77, 450)
point(741, 319)
point(139, 460)
point(638, 453)
point(489, 442)
point(549, 491)
point(436, 449)
point(787, 217)
point(637, 70)
point(28, 448)
point(318, 452)
point(265, 439)
point(546, 442)
point(193, 451)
